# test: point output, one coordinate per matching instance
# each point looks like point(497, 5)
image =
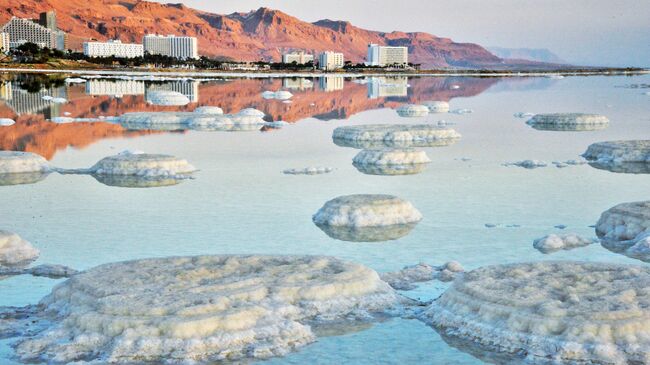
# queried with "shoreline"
point(275, 74)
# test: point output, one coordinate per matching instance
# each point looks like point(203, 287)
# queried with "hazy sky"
point(594, 32)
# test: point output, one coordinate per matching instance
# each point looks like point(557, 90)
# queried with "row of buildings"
point(377, 56)
point(42, 32)
point(180, 47)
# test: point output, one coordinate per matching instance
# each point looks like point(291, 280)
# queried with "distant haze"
point(589, 32)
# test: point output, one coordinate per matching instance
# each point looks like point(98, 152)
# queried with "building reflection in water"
point(21, 101)
point(297, 83)
point(381, 87)
point(189, 88)
point(117, 88)
point(331, 83)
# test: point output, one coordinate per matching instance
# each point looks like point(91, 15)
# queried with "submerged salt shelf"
point(367, 217)
point(394, 135)
point(15, 251)
point(550, 312)
point(556, 242)
point(308, 171)
point(199, 309)
point(569, 122)
point(413, 110)
point(527, 164)
point(15, 162)
point(166, 98)
point(391, 161)
point(406, 278)
point(437, 106)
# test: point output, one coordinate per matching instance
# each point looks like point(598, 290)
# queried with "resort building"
point(116, 88)
point(331, 83)
point(297, 83)
point(387, 55)
point(298, 57)
point(329, 61)
point(4, 42)
point(48, 20)
point(25, 30)
point(173, 46)
point(381, 87)
point(113, 48)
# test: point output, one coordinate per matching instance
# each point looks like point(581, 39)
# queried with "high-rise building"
point(387, 55)
point(25, 30)
point(4, 42)
point(380, 87)
point(113, 48)
point(171, 45)
point(48, 20)
point(114, 87)
point(298, 57)
point(331, 83)
point(329, 61)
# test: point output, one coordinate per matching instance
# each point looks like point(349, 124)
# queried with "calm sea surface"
point(241, 202)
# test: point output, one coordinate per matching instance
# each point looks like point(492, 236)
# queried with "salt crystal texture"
point(201, 309)
point(412, 110)
point(437, 106)
point(208, 110)
point(309, 171)
point(13, 162)
point(615, 152)
point(167, 98)
point(568, 122)
point(625, 229)
point(394, 135)
point(15, 251)
point(406, 278)
point(554, 242)
point(142, 164)
point(550, 312)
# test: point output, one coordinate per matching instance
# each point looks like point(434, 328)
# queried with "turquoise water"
point(240, 202)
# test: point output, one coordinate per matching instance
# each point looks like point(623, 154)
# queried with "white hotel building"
point(113, 48)
point(25, 30)
point(299, 58)
point(387, 55)
point(329, 61)
point(173, 46)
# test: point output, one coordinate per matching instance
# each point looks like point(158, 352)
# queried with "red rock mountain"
point(260, 34)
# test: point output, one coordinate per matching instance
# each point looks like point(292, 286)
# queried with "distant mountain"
point(260, 34)
point(528, 54)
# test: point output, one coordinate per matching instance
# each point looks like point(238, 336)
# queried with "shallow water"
point(241, 202)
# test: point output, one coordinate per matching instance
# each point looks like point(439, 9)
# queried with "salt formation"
point(208, 110)
point(167, 98)
point(527, 164)
point(74, 80)
point(523, 115)
point(623, 225)
point(412, 110)
point(404, 279)
point(553, 242)
point(462, 111)
point(142, 165)
point(615, 152)
point(550, 312)
point(45, 270)
point(568, 122)
point(367, 218)
point(200, 309)
point(437, 106)
point(6, 122)
point(278, 95)
point(251, 112)
point(394, 135)
point(15, 251)
point(308, 171)
point(14, 162)
point(390, 161)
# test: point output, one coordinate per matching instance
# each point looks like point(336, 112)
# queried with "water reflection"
point(367, 234)
point(325, 98)
point(22, 178)
point(129, 181)
point(623, 167)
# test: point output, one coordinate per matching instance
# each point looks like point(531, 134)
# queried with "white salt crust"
point(523, 115)
point(208, 110)
point(15, 251)
point(550, 312)
point(203, 118)
point(556, 242)
point(14, 162)
point(569, 122)
point(615, 152)
point(142, 164)
point(367, 210)
point(308, 171)
point(624, 225)
point(168, 98)
point(204, 309)
point(527, 164)
point(406, 278)
point(412, 110)
point(383, 157)
point(394, 135)
point(6, 122)
point(437, 106)
point(277, 95)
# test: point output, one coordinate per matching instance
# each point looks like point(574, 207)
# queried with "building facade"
point(329, 61)
point(387, 55)
point(171, 45)
point(48, 20)
point(25, 30)
point(4, 42)
point(113, 48)
point(298, 57)
point(117, 88)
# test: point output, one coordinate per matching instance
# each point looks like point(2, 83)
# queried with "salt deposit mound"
point(406, 278)
point(616, 152)
point(394, 135)
point(412, 110)
point(623, 225)
point(308, 171)
point(569, 122)
point(208, 110)
point(437, 106)
point(550, 312)
point(278, 95)
point(390, 161)
point(200, 309)
point(14, 162)
point(6, 122)
point(167, 98)
point(15, 251)
point(251, 112)
point(143, 165)
point(367, 217)
point(554, 242)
